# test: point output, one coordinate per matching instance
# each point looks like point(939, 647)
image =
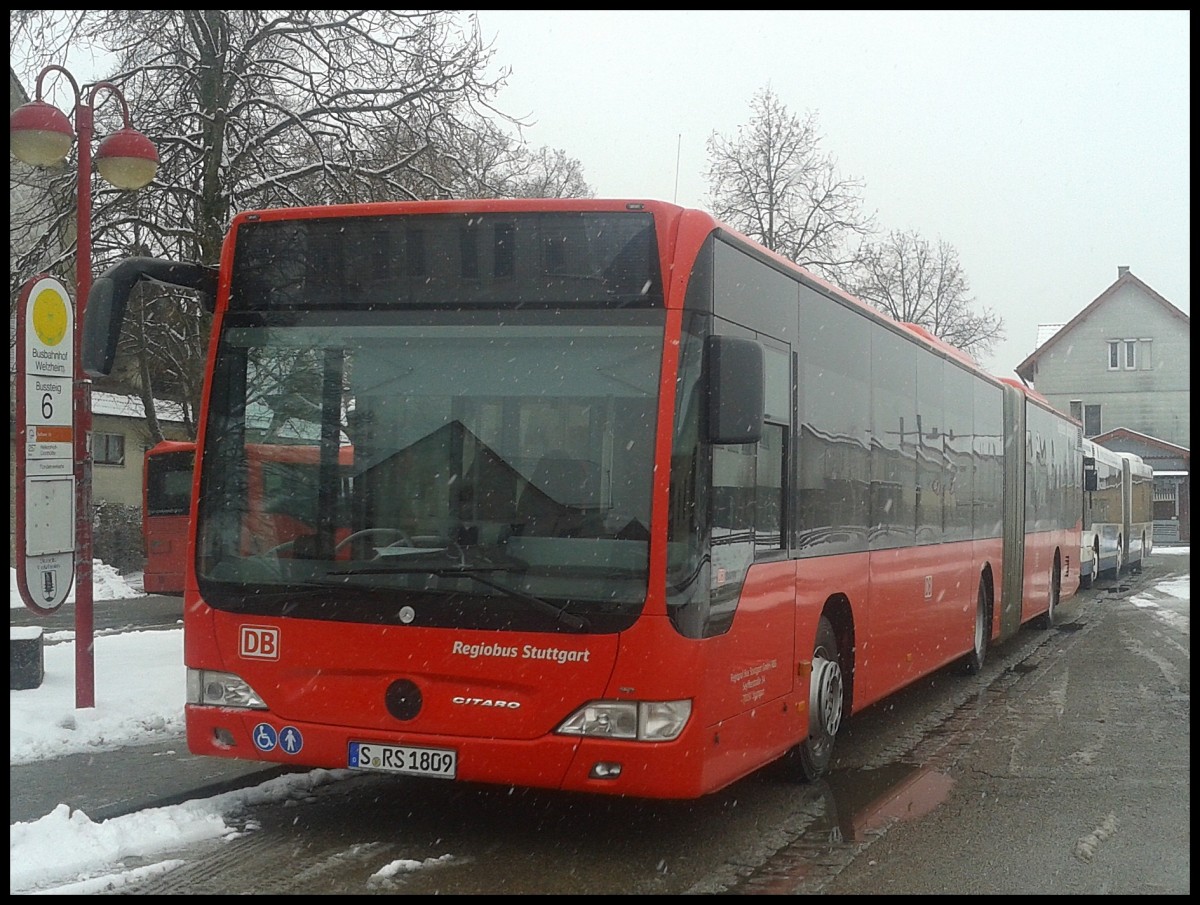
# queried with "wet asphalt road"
point(1079, 779)
point(109, 616)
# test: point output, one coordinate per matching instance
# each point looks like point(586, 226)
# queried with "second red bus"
point(166, 504)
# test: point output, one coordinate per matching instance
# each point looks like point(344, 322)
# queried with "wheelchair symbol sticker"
point(265, 737)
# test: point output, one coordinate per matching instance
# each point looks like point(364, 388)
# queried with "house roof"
point(17, 95)
point(131, 407)
point(1026, 369)
point(1045, 331)
point(1125, 433)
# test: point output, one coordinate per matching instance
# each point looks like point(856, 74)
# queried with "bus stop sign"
point(45, 359)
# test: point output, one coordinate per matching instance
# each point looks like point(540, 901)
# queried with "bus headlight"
point(645, 721)
point(221, 689)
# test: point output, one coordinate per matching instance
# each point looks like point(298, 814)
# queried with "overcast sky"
point(1048, 148)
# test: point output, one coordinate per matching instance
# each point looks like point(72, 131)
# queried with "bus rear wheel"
point(1136, 565)
point(972, 664)
point(1086, 581)
point(826, 703)
point(1046, 620)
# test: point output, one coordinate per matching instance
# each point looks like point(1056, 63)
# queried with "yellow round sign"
point(50, 316)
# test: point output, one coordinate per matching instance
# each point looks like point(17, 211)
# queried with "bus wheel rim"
point(826, 693)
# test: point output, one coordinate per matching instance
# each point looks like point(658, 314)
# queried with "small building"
point(1122, 367)
point(1172, 488)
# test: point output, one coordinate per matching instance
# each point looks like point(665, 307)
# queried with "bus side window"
point(768, 503)
point(772, 452)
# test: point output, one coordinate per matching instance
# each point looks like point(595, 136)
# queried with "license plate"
point(441, 763)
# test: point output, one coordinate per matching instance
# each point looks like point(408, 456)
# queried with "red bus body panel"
point(331, 687)
point(749, 702)
point(166, 555)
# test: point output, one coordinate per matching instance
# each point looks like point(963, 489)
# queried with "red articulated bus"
point(634, 506)
point(166, 501)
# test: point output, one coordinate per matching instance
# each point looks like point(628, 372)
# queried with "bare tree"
point(773, 183)
point(252, 109)
point(545, 173)
point(491, 163)
point(906, 277)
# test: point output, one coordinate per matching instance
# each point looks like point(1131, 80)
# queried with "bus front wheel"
point(826, 702)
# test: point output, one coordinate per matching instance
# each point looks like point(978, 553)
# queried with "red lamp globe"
point(127, 159)
point(39, 134)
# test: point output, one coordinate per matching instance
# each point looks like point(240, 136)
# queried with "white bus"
point(1118, 526)
point(1138, 526)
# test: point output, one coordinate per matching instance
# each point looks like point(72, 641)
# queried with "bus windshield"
point(168, 476)
point(486, 469)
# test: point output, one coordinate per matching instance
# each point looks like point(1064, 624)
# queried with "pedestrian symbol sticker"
point(265, 738)
point(290, 740)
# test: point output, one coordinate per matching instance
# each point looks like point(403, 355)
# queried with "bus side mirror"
point(101, 328)
point(735, 390)
point(110, 292)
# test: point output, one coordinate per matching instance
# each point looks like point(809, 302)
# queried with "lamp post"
point(41, 135)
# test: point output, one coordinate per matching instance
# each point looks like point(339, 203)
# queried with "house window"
point(1147, 361)
point(1091, 420)
point(1122, 354)
point(108, 449)
point(1077, 409)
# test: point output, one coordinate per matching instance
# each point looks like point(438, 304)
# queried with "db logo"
point(259, 642)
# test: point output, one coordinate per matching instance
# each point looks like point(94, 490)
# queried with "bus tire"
point(1046, 620)
point(1086, 581)
point(972, 664)
point(826, 703)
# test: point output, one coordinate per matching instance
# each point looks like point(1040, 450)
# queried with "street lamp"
point(41, 135)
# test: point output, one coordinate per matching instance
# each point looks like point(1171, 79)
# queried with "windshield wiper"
point(560, 613)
